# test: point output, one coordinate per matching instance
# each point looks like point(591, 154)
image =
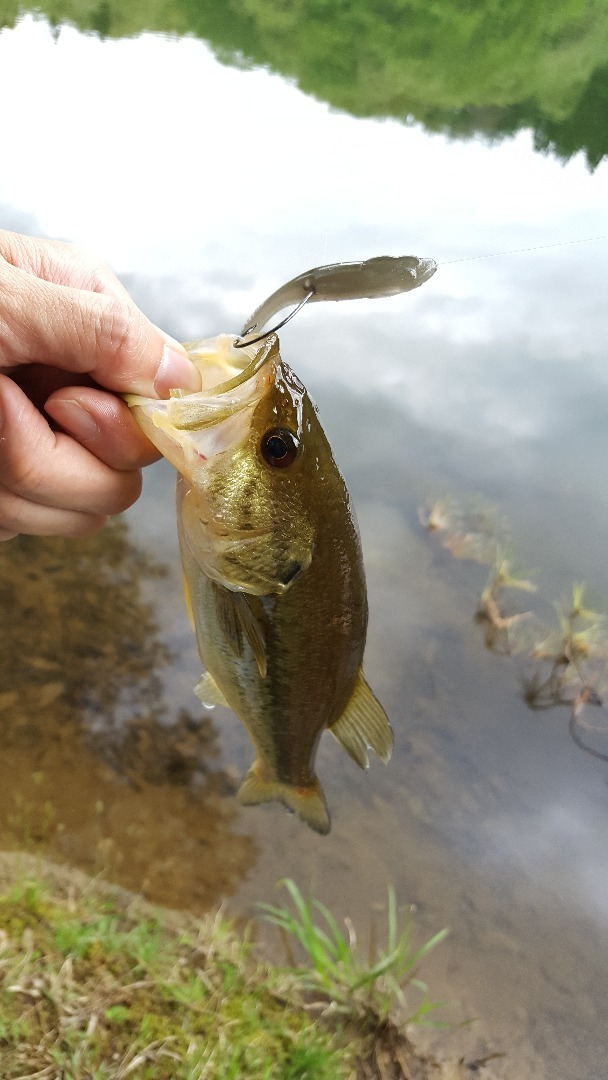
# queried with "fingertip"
point(82, 529)
point(136, 357)
point(73, 418)
point(103, 424)
point(176, 372)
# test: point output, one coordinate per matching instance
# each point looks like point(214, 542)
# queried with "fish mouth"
point(219, 354)
point(189, 428)
point(222, 400)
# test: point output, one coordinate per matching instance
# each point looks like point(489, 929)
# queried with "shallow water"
point(489, 381)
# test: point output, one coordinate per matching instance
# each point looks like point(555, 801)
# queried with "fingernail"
point(71, 415)
point(176, 371)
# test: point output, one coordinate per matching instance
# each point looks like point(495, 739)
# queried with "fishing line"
point(520, 251)
point(308, 281)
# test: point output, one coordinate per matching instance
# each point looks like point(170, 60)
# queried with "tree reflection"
point(94, 766)
point(465, 69)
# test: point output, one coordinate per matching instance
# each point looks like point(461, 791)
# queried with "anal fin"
point(364, 725)
point(209, 692)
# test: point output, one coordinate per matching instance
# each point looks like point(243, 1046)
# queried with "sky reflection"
point(218, 202)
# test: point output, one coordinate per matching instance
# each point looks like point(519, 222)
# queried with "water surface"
point(205, 187)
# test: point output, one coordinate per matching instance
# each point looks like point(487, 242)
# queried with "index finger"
point(93, 333)
point(63, 263)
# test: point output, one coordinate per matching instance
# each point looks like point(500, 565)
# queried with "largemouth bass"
point(270, 549)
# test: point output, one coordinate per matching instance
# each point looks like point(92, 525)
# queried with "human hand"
point(70, 452)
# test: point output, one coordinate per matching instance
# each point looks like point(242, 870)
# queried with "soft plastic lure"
point(385, 275)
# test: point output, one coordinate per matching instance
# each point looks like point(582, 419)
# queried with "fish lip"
point(268, 350)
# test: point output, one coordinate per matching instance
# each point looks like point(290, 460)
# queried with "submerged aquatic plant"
point(500, 627)
point(471, 529)
point(576, 650)
point(475, 531)
point(340, 979)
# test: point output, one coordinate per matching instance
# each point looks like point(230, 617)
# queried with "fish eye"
point(279, 447)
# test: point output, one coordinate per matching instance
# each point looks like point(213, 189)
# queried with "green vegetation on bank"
point(366, 989)
point(95, 982)
point(493, 67)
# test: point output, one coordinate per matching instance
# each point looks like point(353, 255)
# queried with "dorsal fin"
point(364, 725)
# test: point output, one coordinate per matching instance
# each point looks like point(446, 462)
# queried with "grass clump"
point(97, 984)
point(365, 989)
point(103, 987)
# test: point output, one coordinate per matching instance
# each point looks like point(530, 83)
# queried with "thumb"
point(97, 334)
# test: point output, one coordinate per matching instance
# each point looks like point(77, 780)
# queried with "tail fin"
point(307, 802)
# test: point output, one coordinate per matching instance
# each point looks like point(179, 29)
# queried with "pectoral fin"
point(237, 621)
point(209, 692)
point(364, 725)
point(252, 628)
point(227, 618)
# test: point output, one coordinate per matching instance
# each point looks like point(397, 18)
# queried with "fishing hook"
point(240, 343)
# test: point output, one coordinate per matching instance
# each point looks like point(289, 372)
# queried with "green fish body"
point(269, 545)
point(273, 567)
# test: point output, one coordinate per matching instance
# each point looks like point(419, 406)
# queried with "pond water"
point(205, 186)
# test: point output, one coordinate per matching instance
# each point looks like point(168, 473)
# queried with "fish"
point(270, 549)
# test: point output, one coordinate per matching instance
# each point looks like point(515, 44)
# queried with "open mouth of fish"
point(189, 428)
